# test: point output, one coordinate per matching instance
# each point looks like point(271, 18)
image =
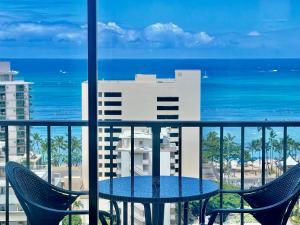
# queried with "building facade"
point(146, 98)
point(14, 105)
point(143, 163)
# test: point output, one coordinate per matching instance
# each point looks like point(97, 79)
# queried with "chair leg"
point(102, 220)
point(212, 218)
point(117, 210)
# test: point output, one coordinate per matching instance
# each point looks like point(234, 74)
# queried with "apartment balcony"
point(229, 166)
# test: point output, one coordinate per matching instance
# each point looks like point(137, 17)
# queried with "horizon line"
point(75, 58)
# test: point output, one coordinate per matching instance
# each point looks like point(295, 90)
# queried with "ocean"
point(233, 89)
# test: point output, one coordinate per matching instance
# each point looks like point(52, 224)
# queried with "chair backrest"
point(284, 187)
point(29, 187)
point(277, 190)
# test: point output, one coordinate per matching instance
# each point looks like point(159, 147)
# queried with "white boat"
point(63, 72)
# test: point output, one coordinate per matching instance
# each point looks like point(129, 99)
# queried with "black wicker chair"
point(271, 203)
point(44, 203)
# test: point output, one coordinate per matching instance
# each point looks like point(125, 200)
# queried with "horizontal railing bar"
point(177, 123)
point(51, 123)
point(201, 123)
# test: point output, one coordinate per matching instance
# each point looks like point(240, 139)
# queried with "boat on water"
point(62, 72)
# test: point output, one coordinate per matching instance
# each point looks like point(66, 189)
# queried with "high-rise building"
point(143, 163)
point(146, 98)
point(14, 105)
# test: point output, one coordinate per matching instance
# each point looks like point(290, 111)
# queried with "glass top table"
point(157, 191)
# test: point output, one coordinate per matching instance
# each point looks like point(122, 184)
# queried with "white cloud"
point(254, 33)
point(35, 32)
point(110, 35)
point(203, 37)
point(171, 35)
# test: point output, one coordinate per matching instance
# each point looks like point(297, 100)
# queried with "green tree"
point(59, 148)
point(76, 219)
point(211, 147)
point(76, 151)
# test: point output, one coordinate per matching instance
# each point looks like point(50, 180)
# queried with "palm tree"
point(254, 146)
point(76, 151)
point(230, 149)
point(58, 150)
point(271, 145)
point(211, 146)
point(37, 144)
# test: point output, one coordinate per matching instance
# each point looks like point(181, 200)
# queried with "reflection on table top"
point(165, 189)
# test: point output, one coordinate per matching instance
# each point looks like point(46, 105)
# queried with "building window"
point(114, 130)
point(167, 117)
point(108, 174)
point(99, 103)
point(107, 148)
point(112, 94)
point(100, 112)
point(113, 103)
point(113, 139)
point(174, 134)
point(167, 99)
point(108, 157)
point(167, 108)
point(108, 165)
point(100, 94)
point(112, 112)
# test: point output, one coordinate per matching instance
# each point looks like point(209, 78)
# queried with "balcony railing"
point(218, 163)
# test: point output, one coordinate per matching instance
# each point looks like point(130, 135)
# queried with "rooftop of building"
point(152, 78)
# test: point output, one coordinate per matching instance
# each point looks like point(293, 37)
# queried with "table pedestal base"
point(157, 217)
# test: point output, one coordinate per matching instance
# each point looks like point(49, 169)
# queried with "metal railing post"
point(156, 151)
point(131, 174)
point(221, 169)
point(263, 148)
point(6, 180)
point(242, 168)
point(92, 111)
point(49, 152)
point(155, 169)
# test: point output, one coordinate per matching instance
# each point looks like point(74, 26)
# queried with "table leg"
point(203, 211)
point(161, 214)
point(158, 212)
point(125, 213)
point(185, 213)
point(147, 212)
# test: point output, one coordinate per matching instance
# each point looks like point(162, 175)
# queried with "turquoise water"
point(234, 89)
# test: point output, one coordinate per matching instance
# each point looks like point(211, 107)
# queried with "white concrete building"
point(143, 163)
point(146, 98)
point(14, 105)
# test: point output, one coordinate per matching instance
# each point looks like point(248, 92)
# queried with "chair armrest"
point(222, 210)
point(64, 191)
point(252, 210)
point(76, 193)
point(75, 212)
point(241, 192)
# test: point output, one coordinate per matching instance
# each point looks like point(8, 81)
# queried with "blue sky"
point(152, 29)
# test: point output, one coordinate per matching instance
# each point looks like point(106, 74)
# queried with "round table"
point(157, 191)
